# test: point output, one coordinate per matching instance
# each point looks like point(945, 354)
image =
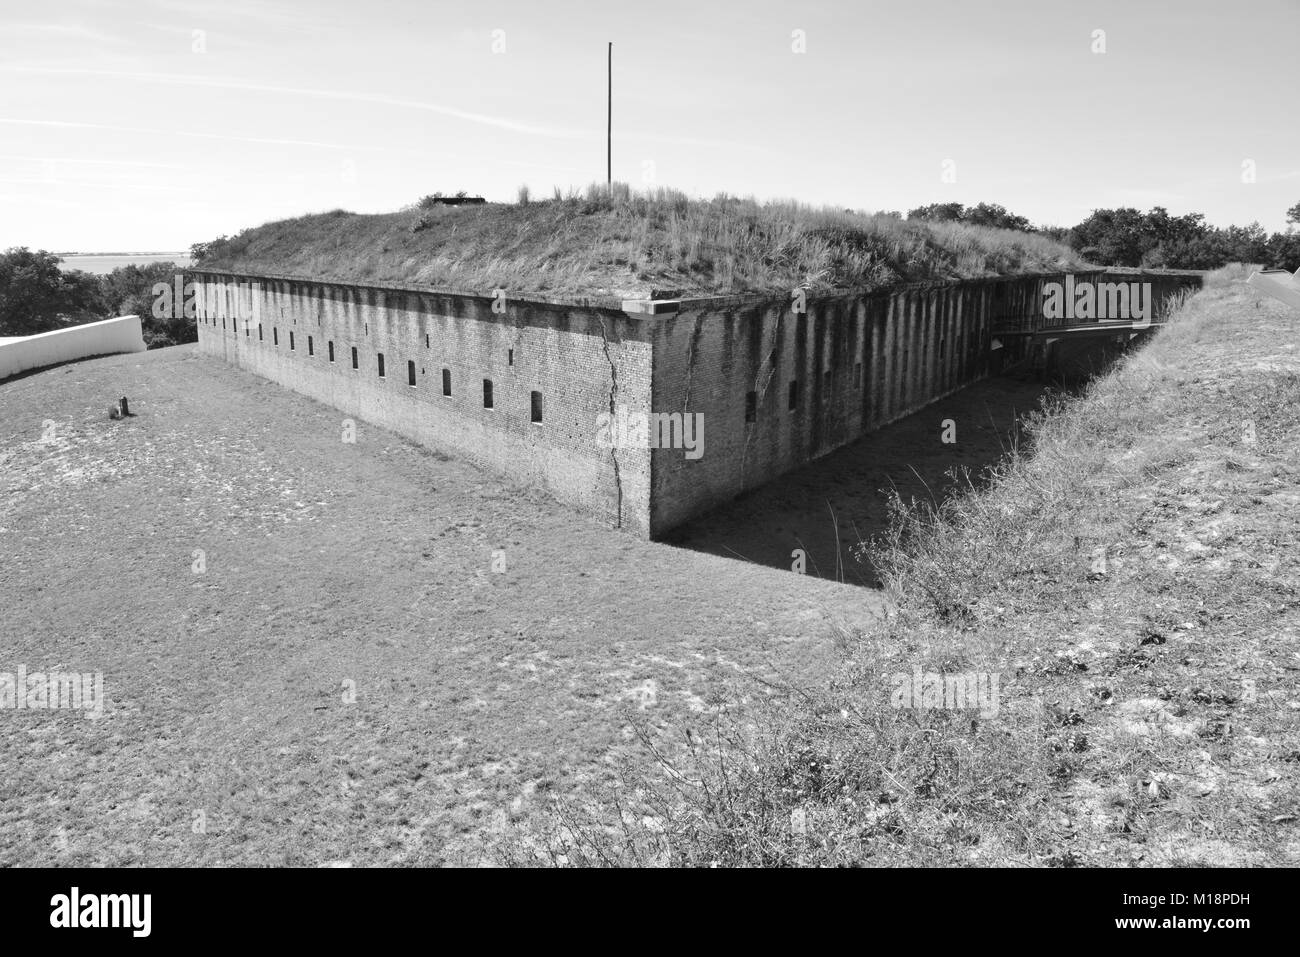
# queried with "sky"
point(142, 125)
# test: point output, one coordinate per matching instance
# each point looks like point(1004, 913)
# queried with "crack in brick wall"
point(613, 402)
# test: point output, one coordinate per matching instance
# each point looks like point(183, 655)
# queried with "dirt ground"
point(238, 574)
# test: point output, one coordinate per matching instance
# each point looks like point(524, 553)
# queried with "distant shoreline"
point(101, 264)
point(146, 252)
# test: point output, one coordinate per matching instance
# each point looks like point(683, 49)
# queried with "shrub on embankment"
point(1128, 576)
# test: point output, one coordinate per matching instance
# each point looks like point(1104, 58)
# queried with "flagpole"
point(609, 121)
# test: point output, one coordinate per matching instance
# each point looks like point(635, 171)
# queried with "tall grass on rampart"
point(615, 240)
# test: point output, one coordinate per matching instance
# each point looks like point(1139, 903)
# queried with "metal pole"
point(609, 122)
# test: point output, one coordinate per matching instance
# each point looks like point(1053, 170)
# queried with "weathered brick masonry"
point(775, 388)
point(572, 356)
point(779, 388)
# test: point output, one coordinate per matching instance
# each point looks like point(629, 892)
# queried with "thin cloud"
point(70, 124)
point(291, 17)
point(60, 31)
point(221, 83)
point(98, 184)
point(28, 198)
point(90, 162)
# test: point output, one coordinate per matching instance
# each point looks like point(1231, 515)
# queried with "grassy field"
point(620, 244)
point(477, 693)
point(1130, 577)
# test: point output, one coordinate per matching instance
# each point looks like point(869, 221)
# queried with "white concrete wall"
point(76, 342)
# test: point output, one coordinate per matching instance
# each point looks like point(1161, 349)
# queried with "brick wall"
point(857, 361)
point(775, 387)
point(854, 363)
point(567, 353)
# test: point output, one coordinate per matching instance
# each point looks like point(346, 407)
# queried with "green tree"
point(1113, 237)
point(129, 291)
point(938, 212)
point(1284, 251)
point(1161, 228)
point(983, 214)
point(37, 296)
point(991, 214)
point(1244, 244)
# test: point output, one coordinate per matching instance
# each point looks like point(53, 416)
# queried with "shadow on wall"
point(1073, 361)
point(831, 504)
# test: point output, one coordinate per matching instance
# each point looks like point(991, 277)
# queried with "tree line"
point(36, 295)
point(1154, 240)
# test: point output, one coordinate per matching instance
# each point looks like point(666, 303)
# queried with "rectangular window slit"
point(751, 407)
point(446, 382)
point(487, 393)
point(354, 357)
point(410, 372)
point(537, 407)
